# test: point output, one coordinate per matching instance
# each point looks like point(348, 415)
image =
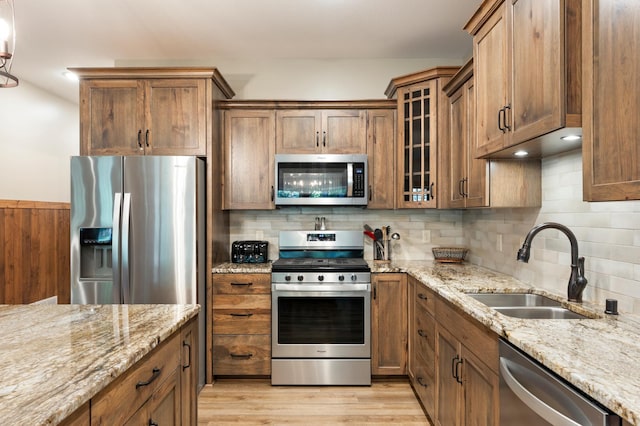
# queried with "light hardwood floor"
point(256, 402)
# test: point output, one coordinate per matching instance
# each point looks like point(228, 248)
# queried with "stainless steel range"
point(321, 304)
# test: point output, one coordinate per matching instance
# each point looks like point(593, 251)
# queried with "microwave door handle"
point(115, 248)
point(530, 400)
point(349, 179)
point(126, 229)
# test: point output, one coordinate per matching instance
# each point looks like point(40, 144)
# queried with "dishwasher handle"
point(537, 405)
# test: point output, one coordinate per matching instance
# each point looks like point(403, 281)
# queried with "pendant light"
point(7, 43)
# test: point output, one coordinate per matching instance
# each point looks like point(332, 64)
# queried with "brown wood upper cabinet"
point(340, 131)
point(134, 111)
point(381, 149)
point(470, 182)
point(527, 72)
point(422, 125)
point(249, 144)
point(610, 149)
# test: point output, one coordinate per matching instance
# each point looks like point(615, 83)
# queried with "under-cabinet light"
point(570, 138)
point(521, 153)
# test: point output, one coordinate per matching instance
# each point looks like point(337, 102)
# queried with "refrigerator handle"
point(126, 220)
point(115, 248)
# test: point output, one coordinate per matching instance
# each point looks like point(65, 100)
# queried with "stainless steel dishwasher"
point(531, 395)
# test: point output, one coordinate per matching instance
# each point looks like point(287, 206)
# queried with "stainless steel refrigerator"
point(138, 232)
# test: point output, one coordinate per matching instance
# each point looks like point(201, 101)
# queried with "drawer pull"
point(152, 423)
point(242, 284)
point(188, 345)
point(421, 382)
point(422, 296)
point(422, 333)
point(241, 356)
point(241, 315)
point(156, 372)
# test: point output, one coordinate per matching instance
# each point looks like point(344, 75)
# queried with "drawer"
point(242, 302)
point(241, 283)
point(122, 398)
point(425, 298)
point(241, 321)
point(424, 384)
point(425, 339)
point(480, 340)
point(241, 355)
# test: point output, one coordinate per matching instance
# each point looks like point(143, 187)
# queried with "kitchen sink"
point(526, 305)
point(540, 312)
point(513, 299)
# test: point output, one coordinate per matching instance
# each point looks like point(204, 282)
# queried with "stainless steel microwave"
point(321, 180)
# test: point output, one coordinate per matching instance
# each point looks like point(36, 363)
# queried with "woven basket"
point(449, 254)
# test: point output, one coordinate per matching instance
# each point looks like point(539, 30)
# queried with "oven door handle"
point(341, 289)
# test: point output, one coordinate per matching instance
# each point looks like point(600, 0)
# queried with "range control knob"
point(354, 277)
point(287, 277)
point(340, 277)
point(300, 277)
point(320, 277)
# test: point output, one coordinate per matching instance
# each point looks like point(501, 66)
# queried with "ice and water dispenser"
point(95, 253)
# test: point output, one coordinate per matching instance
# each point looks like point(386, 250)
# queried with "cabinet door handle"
point(241, 356)
point(458, 364)
point(420, 382)
point(506, 126)
point(188, 345)
point(422, 296)
point(500, 116)
point(460, 183)
point(273, 193)
point(375, 292)
point(152, 423)
point(433, 197)
point(370, 192)
point(242, 284)
point(247, 315)
point(146, 138)
point(422, 333)
point(324, 138)
point(140, 138)
point(155, 373)
point(317, 139)
point(454, 369)
point(465, 187)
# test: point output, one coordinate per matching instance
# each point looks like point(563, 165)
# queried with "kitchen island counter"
point(55, 358)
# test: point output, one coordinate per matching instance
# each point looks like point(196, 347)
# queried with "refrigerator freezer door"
point(162, 240)
point(95, 182)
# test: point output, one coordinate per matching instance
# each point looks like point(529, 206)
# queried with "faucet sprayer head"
point(523, 254)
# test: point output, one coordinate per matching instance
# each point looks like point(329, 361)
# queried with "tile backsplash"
point(608, 234)
point(419, 230)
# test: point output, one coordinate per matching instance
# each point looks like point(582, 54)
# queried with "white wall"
point(308, 79)
point(608, 236)
point(39, 134)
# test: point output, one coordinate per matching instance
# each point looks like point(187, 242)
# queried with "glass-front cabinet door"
point(417, 145)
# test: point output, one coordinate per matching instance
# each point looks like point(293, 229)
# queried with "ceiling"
point(54, 35)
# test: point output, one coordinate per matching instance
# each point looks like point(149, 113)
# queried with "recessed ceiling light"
point(570, 138)
point(521, 153)
point(71, 76)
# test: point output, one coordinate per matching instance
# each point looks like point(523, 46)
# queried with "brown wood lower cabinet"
point(467, 370)
point(241, 324)
point(389, 324)
point(159, 389)
point(453, 361)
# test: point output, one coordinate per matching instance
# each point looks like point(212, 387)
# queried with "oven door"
point(321, 321)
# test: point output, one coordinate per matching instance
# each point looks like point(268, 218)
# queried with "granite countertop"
point(54, 358)
point(598, 355)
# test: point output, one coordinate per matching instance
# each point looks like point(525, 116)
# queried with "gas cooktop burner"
point(327, 264)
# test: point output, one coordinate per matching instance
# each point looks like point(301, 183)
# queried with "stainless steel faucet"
point(577, 280)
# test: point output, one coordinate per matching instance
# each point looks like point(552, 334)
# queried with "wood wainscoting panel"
point(34, 258)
